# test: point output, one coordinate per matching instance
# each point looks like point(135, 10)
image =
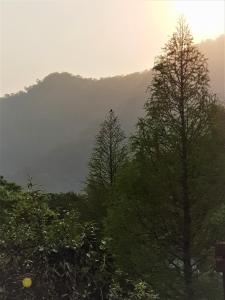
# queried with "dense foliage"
point(64, 258)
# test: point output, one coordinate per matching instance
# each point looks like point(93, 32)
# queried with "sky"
point(93, 38)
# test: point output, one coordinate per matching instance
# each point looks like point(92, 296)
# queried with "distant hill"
point(214, 50)
point(48, 131)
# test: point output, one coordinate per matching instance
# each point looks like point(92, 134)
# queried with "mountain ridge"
point(48, 130)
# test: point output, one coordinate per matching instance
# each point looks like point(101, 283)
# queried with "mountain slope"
point(48, 130)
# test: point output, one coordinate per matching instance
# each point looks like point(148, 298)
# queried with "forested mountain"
point(47, 131)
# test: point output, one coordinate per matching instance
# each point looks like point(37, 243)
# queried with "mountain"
point(214, 50)
point(48, 130)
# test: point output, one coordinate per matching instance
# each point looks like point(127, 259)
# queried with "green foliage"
point(9, 194)
point(63, 258)
point(63, 203)
point(78, 269)
point(140, 291)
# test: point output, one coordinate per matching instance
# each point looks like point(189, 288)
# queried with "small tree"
point(109, 152)
point(108, 156)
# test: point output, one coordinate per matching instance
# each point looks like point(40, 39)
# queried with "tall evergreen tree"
point(169, 199)
point(178, 121)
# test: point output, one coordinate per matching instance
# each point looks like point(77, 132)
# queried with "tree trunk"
point(187, 268)
point(186, 232)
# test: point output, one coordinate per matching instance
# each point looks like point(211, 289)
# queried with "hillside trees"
point(107, 158)
point(168, 194)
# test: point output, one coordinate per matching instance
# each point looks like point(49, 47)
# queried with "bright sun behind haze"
point(93, 38)
point(206, 18)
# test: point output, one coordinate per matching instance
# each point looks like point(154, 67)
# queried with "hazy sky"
point(93, 38)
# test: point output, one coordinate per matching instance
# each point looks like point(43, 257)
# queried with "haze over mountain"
point(48, 130)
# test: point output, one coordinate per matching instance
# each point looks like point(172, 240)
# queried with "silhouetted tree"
point(109, 152)
point(178, 119)
point(108, 156)
point(165, 197)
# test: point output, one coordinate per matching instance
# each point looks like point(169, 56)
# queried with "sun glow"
point(205, 17)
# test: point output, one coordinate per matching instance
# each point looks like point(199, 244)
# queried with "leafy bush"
point(64, 259)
